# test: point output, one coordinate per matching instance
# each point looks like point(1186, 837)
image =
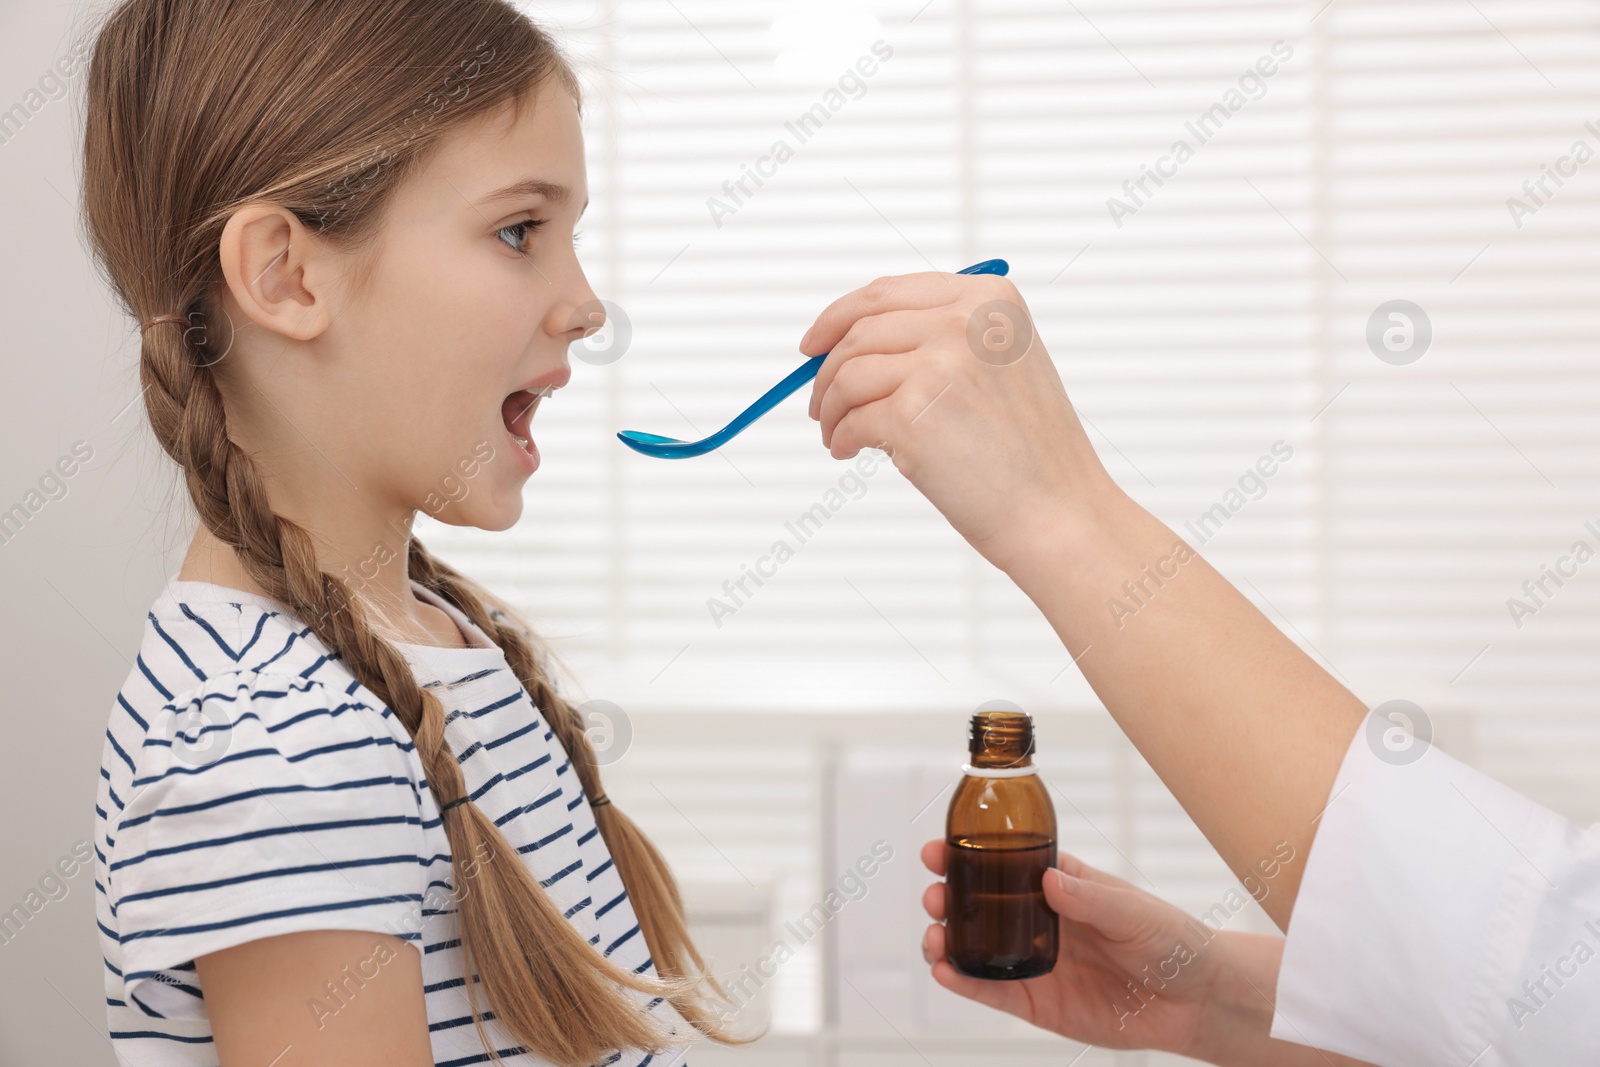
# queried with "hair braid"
point(645, 872)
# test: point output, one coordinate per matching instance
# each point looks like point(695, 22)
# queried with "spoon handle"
point(669, 448)
point(808, 370)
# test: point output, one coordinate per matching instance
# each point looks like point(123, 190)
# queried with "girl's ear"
point(277, 271)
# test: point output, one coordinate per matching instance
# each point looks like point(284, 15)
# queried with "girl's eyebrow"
point(551, 191)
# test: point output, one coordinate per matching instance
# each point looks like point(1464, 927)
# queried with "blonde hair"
point(197, 107)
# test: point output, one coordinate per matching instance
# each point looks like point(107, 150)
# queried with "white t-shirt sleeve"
point(261, 806)
point(1443, 919)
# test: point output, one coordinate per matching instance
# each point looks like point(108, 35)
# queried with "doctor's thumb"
point(1118, 914)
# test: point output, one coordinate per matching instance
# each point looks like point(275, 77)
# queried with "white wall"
point(79, 574)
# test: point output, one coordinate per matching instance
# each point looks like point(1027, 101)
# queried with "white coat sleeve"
point(1443, 919)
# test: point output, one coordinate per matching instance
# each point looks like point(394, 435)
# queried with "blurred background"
point(1359, 238)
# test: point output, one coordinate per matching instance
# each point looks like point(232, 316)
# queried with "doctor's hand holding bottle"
point(1134, 972)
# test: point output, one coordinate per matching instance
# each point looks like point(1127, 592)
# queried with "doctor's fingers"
point(861, 381)
point(936, 901)
point(1003, 996)
point(1124, 916)
point(929, 289)
point(934, 855)
point(933, 943)
point(1079, 869)
point(892, 331)
point(872, 425)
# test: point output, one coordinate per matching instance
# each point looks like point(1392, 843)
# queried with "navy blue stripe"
point(187, 662)
point(203, 805)
point(228, 924)
point(613, 946)
point(139, 659)
point(451, 1024)
point(118, 750)
point(260, 626)
point(545, 840)
point(131, 1034)
point(598, 871)
point(287, 645)
point(254, 835)
point(484, 1058)
point(343, 746)
point(271, 872)
point(512, 736)
point(535, 765)
point(613, 902)
point(134, 715)
point(232, 757)
point(498, 704)
point(533, 806)
point(562, 873)
point(448, 983)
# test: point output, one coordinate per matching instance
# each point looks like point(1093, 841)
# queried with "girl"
point(344, 814)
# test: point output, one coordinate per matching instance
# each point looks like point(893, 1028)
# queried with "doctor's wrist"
point(1047, 538)
point(1236, 1022)
point(1236, 1019)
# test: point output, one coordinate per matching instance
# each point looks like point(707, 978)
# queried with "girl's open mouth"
point(517, 412)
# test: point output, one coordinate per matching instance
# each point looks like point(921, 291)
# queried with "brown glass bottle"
point(1001, 832)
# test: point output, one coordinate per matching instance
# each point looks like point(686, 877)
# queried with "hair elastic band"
point(458, 800)
point(599, 801)
point(159, 319)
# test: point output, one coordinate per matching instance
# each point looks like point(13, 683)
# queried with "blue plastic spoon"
point(651, 444)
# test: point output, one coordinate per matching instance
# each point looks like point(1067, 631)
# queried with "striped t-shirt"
point(251, 786)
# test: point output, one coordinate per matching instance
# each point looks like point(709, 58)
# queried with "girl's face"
point(473, 297)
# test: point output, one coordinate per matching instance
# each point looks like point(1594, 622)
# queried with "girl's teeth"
point(523, 441)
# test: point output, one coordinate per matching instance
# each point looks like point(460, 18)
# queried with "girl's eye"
point(519, 233)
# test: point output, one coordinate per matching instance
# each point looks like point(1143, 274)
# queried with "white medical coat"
point(1443, 919)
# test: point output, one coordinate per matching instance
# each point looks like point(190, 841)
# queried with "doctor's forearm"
point(1244, 728)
